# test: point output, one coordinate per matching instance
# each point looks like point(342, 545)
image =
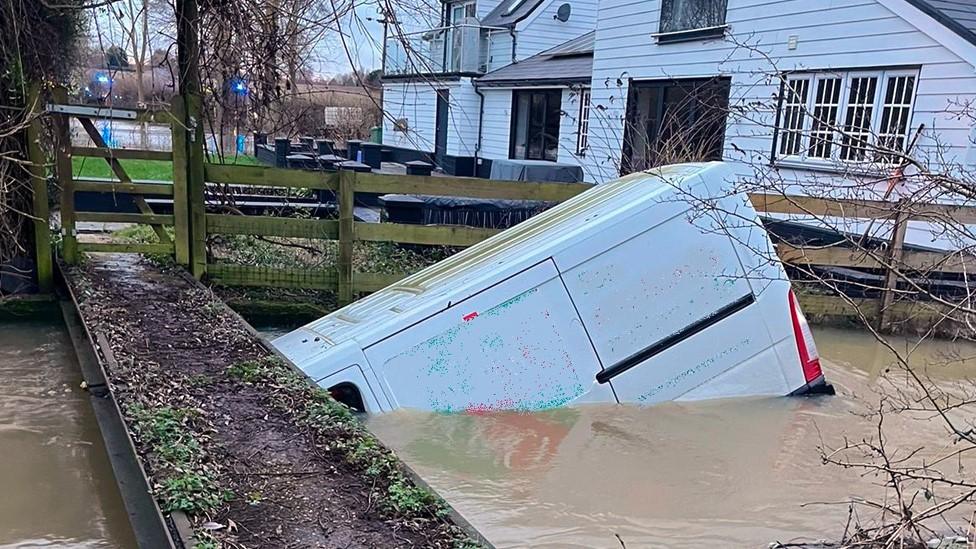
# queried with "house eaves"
point(951, 23)
point(509, 12)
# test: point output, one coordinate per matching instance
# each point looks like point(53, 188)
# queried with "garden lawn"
point(159, 170)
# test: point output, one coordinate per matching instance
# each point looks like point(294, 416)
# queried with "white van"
point(634, 291)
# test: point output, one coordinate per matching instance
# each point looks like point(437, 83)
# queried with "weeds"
point(205, 540)
point(192, 493)
point(337, 426)
point(199, 380)
point(186, 481)
point(144, 234)
point(251, 371)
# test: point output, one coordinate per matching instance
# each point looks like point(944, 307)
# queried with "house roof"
point(509, 12)
point(958, 16)
point(568, 63)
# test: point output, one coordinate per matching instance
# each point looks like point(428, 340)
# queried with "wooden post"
point(196, 188)
point(38, 175)
point(893, 257)
point(347, 228)
point(181, 215)
point(188, 61)
point(69, 240)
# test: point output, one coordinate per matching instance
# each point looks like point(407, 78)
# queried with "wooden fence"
point(192, 224)
point(346, 230)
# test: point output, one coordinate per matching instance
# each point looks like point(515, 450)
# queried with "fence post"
point(187, 56)
point(181, 215)
point(347, 228)
point(893, 257)
point(40, 211)
point(196, 187)
point(282, 150)
point(62, 130)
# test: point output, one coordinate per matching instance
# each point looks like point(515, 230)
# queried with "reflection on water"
point(58, 488)
point(731, 473)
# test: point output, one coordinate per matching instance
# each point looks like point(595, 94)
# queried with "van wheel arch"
point(349, 394)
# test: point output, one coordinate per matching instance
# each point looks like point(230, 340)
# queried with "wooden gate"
point(121, 183)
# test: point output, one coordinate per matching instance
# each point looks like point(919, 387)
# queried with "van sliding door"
point(517, 345)
point(667, 309)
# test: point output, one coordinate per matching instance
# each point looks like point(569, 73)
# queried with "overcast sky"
point(364, 37)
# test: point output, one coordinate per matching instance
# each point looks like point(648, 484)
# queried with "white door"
point(518, 345)
point(666, 309)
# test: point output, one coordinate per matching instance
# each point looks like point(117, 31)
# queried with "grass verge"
point(158, 170)
point(343, 434)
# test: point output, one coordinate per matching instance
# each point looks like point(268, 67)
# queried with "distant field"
point(139, 169)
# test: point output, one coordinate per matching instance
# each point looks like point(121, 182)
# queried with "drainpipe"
point(481, 117)
point(511, 32)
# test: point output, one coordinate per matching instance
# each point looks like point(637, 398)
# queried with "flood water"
point(733, 473)
point(58, 488)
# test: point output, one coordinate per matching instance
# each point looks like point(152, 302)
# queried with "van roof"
point(435, 288)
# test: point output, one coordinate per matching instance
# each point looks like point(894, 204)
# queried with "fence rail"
point(346, 230)
point(192, 224)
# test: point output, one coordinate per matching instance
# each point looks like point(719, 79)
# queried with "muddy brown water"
point(733, 473)
point(57, 485)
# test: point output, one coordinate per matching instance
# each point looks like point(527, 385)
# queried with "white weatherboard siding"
point(417, 103)
point(832, 34)
point(496, 124)
point(484, 7)
point(499, 50)
point(541, 31)
point(462, 129)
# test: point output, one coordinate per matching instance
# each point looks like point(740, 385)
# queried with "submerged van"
point(654, 287)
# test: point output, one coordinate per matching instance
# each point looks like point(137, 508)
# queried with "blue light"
point(102, 78)
point(238, 86)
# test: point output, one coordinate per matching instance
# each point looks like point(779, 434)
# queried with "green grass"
point(185, 479)
point(161, 170)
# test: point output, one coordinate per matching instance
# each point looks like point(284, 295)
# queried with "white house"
point(762, 82)
point(781, 74)
point(430, 100)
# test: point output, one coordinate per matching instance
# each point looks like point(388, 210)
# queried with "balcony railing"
point(461, 48)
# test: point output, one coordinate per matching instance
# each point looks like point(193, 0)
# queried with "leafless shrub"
point(897, 175)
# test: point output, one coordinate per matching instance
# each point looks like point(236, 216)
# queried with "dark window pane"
point(535, 125)
point(857, 122)
point(675, 121)
point(551, 127)
point(825, 110)
point(680, 15)
point(793, 115)
point(894, 119)
point(520, 120)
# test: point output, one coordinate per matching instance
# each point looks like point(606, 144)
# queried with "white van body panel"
point(516, 345)
point(629, 292)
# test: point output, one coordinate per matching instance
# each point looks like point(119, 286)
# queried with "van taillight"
point(809, 358)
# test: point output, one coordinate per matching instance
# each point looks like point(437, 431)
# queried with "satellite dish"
point(563, 12)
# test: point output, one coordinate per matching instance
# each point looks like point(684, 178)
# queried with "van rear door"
point(667, 309)
point(518, 344)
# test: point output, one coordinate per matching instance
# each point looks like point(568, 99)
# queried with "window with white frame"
point(584, 123)
point(856, 116)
